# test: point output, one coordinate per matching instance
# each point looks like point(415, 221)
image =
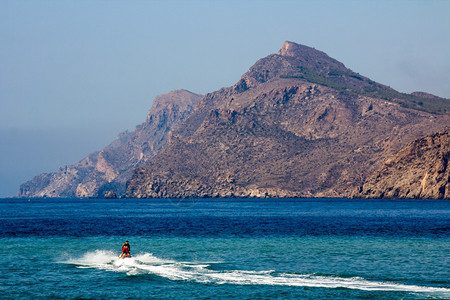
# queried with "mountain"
point(297, 124)
point(107, 171)
point(419, 170)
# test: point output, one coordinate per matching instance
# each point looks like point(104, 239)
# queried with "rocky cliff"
point(109, 169)
point(420, 170)
point(298, 123)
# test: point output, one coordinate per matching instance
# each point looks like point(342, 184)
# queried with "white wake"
point(190, 271)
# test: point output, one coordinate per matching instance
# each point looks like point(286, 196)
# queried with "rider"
point(126, 250)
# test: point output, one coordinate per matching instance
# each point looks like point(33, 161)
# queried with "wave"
point(146, 263)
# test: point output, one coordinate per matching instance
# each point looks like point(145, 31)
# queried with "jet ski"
point(125, 255)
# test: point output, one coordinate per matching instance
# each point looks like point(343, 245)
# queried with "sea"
point(225, 249)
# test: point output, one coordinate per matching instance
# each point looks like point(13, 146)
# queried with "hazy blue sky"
point(73, 74)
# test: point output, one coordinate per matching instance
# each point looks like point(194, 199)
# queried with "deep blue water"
point(227, 248)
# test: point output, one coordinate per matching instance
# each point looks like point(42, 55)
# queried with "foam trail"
point(97, 259)
point(148, 264)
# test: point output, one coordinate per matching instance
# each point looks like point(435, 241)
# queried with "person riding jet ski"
point(125, 250)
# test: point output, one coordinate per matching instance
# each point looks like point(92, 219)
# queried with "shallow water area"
point(240, 249)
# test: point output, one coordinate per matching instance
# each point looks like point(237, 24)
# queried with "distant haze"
point(73, 74)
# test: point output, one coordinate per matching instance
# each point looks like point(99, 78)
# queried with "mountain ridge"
point(235, 142)
point(298, 123)
point(110, 168)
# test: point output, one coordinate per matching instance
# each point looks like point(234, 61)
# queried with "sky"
point(76, 73)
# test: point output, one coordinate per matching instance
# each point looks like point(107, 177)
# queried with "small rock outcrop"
point(419, 171)
point(110, 195)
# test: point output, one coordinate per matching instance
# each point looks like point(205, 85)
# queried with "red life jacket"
point(125, 249)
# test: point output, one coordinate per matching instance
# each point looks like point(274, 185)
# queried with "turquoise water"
point(233, 249)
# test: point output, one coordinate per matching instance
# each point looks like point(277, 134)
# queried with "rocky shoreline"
point(418, 171)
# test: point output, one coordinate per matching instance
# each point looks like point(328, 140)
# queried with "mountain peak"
point(294, 49)
point(305, 56)
point(176, 96)
point(290, 61)
point(180, 98)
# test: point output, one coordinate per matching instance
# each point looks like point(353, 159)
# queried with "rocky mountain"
point(107, 171)
point(419, 170)
point(298, 123)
